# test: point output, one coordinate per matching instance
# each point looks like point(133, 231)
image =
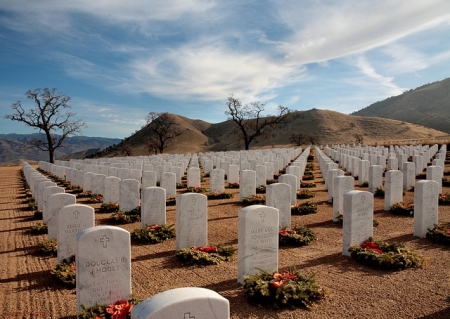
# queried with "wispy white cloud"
point(330, 30)
point(403, 59)
point(384, 81)
point(209, 72)
point(199, 50)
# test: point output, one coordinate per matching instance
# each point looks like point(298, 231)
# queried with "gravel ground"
point(353, 291)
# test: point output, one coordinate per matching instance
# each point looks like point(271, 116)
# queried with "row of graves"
point(369, 166)
point(100, 256)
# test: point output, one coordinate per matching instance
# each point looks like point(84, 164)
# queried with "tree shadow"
point(162, 254)
point(27, 230)
point(442, 314)
point(343, 264)
point(37, 281)
point(221, 218)
point(326, 224)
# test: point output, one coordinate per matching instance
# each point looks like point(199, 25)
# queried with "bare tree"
point(359, 138)
point(47, 117)
point(125, 151)
point(249, 121)
point(298, 138)
point(162, 128)
point(312, 139)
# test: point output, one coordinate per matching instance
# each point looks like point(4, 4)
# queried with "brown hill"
point(428, 105)
point(329, 127)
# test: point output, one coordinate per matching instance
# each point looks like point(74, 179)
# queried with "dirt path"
point(28, 290)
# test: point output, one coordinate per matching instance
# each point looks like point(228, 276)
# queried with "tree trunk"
point(51, 153)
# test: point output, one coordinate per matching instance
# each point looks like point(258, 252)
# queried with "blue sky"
point(120, 60)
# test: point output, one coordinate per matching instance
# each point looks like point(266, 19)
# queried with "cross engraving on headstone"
point(105, 241)
point(188, 316)
point(76, 214)
point(262, 215)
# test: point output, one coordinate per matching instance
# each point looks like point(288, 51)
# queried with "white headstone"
point(191, 220)
point(48, 191)
point(358, 219)
point(293, 182)
point(148, 179)
point(257, 240)
point(103, 266)
point(393, 192)
point(129, 194)
point(425, 206)
point(261, 175)
point(71, 220)
point(434, 173)
point(168, 182)
point(278, 196)
point(375, 178)
point(183, 303)
point(97, 184)
point(409, 175)
point(363, 172)
point(233, 174)
point(153, 208)
point(341, 185)
point(217, 180)
point(111, 193)
point(193, 177)
point(247, 185)
point(54, 203)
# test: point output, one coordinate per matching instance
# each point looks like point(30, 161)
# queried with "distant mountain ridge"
point(427, 105)
point(329, 127)
point(14, 147)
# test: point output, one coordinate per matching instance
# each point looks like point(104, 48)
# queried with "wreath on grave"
point(109, 208)
point(84, 194)
point(282, 289)
point(197, 189)
point(297, 236)
point(307, 184)
point(439, 234)
point(271, 181)
point(154, 234)
point(65, 271)
point(75, 189)
point(32, 205)
point(379, 192)
point(219, 195)
point(205, 255)
point(233, 185)
point(304, 194)
point(261, 189)
point(120, 309)
point(304, 208)
point(171, 201)
point(128, 217)
point(95, 198)
point(446, 181)
point(386, 255)
point(48, 247)
point(38, 214)
point(402, 208)
point(39, 228)
point(309, 176)
point(258, 199)
point(444, 199)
